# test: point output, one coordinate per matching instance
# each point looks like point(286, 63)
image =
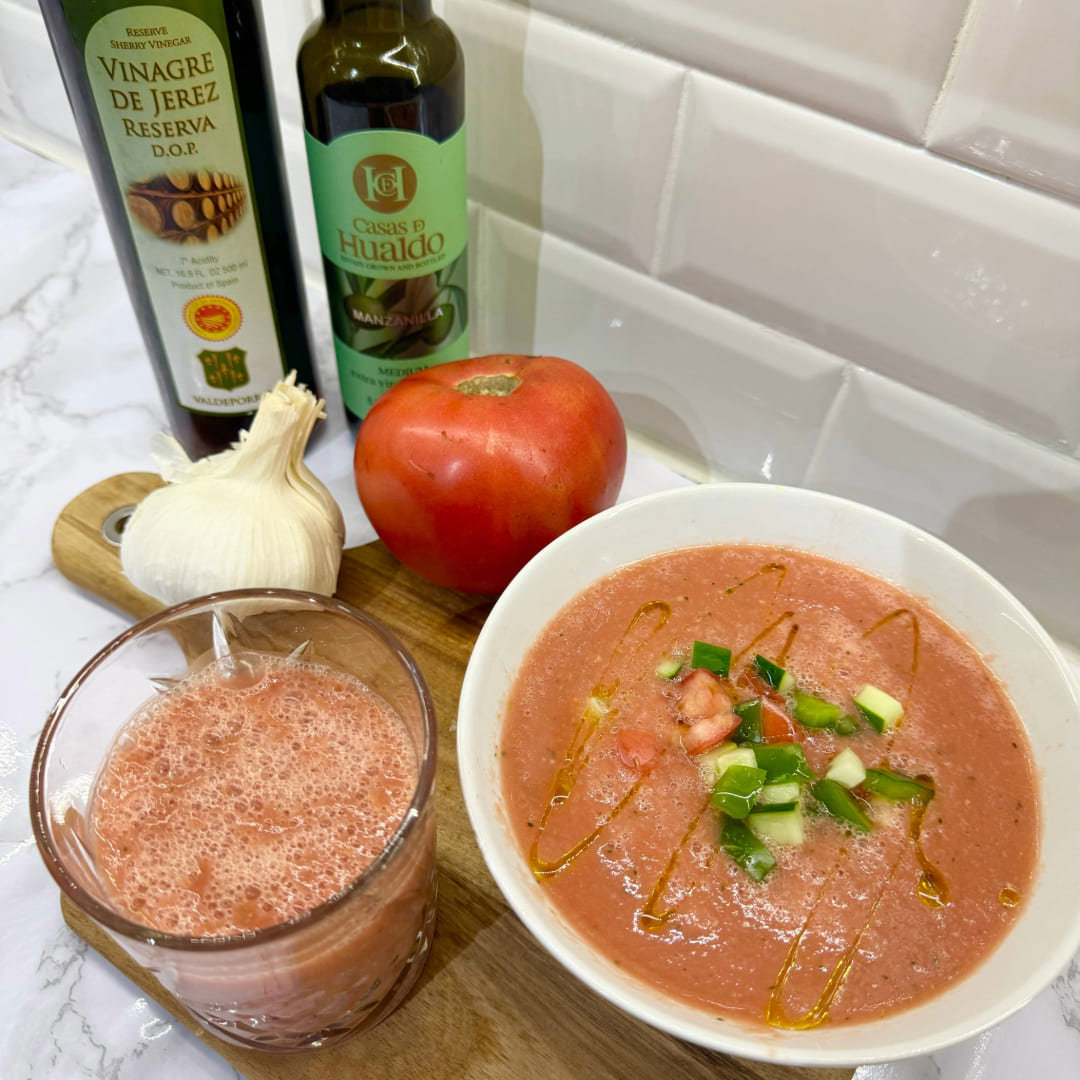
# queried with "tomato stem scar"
point(490, 385)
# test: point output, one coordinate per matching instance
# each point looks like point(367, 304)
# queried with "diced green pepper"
point(812, 712)
point(846, 725)
point(896, 786)
point(746, 849)
point(749, 714)
point(714, 658)
point(841, 804)
point(783, 762)
point(737, 790)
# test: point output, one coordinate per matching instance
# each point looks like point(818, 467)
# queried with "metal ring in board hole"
point(112, 528)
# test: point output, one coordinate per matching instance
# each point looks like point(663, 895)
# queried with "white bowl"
point(1047, 932)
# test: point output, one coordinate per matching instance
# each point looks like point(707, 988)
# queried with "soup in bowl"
point(777, 773)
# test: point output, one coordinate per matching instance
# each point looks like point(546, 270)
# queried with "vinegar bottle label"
point(393, 226)
point(163, 89)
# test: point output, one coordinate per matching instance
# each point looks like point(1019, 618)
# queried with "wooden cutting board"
point(491, 1003)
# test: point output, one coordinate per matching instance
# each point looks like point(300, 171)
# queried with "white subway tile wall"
point(886, 255)
point(582, 126)
point(1013, 103)
point(877, 64)
point(1012, 506)
point(833, 244)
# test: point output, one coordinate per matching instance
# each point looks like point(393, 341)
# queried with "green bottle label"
point(393, 225)
point(163, 88)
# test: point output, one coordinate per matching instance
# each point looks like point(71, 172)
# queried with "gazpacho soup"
point(770, 785)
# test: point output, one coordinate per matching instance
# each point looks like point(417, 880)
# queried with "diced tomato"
point(776, 725)
point(707, 733)
point(701, 694)
point(636, 748)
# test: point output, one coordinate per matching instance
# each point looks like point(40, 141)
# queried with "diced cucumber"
point(668, 668)
point(841, 804)
point(774, 675)
point(882, 712)
point(813, 712)
point(846, 768)
point(749, 714)
point(746, 849)
point(773, 794)
point(714, 658)
point(783, 763)
point(896, 786)
point(781, 824)
point(715, 762)
point(737, 790)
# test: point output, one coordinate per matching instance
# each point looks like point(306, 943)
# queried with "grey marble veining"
point(79, 403)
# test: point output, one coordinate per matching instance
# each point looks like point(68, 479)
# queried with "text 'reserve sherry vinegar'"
point(175, 111)
point(382, 84)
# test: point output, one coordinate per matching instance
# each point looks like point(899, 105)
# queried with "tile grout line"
point(667, 190)
point(966, 29)
point(847, 378)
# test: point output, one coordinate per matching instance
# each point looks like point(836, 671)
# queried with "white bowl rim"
point(756, 1043)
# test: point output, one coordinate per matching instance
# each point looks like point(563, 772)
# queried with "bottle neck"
point(378, 14)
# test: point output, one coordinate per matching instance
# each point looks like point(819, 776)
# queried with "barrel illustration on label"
point(390, 206)
point(187, 207)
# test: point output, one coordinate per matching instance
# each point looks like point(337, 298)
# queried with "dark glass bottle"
point(382, 84)
point(175, 110)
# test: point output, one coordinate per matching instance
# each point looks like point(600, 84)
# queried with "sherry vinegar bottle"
point(175, 110)
point(382, 85)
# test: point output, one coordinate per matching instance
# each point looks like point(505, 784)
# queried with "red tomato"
point(466, 470)
point(710, 732)
point(635, 748)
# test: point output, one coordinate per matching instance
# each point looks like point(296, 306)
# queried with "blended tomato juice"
point(246, 795)
point(231, 805)
point(770, 785)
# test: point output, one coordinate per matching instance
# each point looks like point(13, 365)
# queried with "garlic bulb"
point(250, 516)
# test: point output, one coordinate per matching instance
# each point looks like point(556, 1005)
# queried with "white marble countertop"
point(79, 403)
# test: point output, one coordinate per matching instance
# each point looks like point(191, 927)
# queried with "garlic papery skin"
point(253, 516)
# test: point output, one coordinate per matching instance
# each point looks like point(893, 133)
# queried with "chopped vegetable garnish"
point(776, 794)
point(713, 658)
point(882, 712)
point(707, 733)
point(783, 763)
point(668, 668)
point(737, 790)
point(749, 714)
point(746, 849)
point(846, 768)
point(782, 824)
point(774, 675)
point(841, 804)
point(635, 748)
point(846, 725)
point(896, 786)
point(701, 693)
point(714, 762)
point(812, 712)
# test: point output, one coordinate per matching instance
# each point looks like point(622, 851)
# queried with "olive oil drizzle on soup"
point(863, 895)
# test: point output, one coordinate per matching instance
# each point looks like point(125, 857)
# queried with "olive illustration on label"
point(438, 330)
point(187, 207)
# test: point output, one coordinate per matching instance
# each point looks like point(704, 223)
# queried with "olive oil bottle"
point(383, 84)
point(175, 109)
